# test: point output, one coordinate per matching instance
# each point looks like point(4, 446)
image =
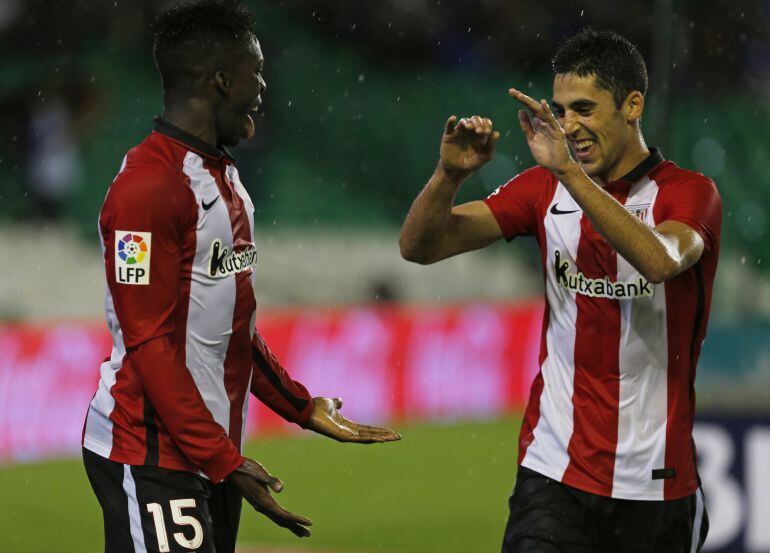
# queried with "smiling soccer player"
point(163, 435)
point(629, 245)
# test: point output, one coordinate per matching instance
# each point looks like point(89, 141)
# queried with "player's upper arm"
point(686, 247)
point(143, 225)
point(690, 211)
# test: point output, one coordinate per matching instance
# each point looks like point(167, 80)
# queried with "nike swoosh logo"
point(207, 206)
point(557, 211)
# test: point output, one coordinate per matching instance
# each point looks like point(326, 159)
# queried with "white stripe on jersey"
point(134, 514)
point(209, 329)
point(547, 454)
point(643, 363)
point(98, 433)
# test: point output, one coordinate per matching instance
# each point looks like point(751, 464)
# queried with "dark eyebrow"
point(578, 105)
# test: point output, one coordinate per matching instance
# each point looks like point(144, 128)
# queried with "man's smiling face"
point(597, 130)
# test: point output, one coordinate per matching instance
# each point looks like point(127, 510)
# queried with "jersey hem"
point(633, 495)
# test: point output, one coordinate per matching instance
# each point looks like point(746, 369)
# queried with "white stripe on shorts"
point(697, 522)
point(134, 516)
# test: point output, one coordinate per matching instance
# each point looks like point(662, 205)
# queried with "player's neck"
point(635, 153)
point(193, 117)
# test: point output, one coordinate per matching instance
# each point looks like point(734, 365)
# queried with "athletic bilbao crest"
point(639, 210)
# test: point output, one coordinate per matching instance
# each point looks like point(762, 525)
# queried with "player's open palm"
point(467, 144)
point(545, 137)
point(327, 420)
point(255, 483)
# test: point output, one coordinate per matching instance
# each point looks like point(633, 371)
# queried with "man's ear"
point(634, 106)
point(222, 82)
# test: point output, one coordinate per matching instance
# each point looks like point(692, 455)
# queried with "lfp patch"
point(132, 257)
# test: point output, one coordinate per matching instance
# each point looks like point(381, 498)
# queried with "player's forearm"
point(646, 250)
point(172, 392)
point(273, 386)
point(428, 218)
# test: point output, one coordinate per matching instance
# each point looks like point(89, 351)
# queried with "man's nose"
point(570, 124)
point(262, 84)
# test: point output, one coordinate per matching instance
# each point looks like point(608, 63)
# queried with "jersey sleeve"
point(274, 387)
point(694, 201)
point(514, 204)
point(143, 224)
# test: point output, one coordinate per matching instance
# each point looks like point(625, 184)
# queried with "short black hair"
point(614, 61)
point(194, 39)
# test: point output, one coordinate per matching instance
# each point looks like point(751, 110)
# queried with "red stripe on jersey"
point(683, 312)
point(596, 386)
point(168, 450)
point(128, 431)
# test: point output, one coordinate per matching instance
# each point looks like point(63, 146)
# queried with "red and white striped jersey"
point(611, 410)
point(177, 235)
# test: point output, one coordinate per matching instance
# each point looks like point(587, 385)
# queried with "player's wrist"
point(447, 173)
point(568, 172)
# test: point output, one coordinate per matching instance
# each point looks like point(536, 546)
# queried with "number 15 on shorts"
point(191, 536)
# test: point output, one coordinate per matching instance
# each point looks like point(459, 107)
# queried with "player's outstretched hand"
point(255, 483)
point(326, 419)
point(545, 137)
point(467, 144)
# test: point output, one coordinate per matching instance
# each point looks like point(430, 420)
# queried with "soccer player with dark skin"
point(213, 85)
point(216, 98)
point(575, 478)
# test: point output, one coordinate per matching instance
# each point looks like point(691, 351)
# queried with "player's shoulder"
point(534, 178)
point(672, 178)
point(155, 159)
point(152, 168)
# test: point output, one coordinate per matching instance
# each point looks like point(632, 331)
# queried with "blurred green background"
point(358, 93)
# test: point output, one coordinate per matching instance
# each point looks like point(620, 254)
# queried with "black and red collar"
point(191, 141)
point(648, 164)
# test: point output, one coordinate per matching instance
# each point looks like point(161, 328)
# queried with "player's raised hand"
point(327, 420)
point(545, 137)
point(255, 483)
point(467, 144)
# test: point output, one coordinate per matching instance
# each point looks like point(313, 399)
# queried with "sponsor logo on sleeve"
point(132, 257)
point(224, 261)
point(599, 287)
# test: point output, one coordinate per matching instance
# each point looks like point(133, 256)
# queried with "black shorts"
point(155, 510)
point(550, 517)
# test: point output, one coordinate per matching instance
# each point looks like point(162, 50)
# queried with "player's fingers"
point(525, 100)
point(487, 122)
point(370, 434)
point(526, 123)
point(492, 142)
point(478, 124)
point(464, 124)
point(449, 127)
point(272, 510)
point(264, 477)
point(550, 117)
